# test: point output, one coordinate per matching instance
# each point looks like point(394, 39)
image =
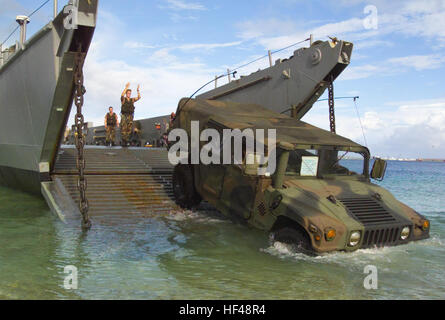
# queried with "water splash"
point(384, 255)
point(201, 216)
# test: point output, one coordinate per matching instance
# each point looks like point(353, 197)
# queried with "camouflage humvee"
point(320, 197)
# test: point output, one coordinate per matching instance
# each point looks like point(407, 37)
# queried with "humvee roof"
point(234, 115)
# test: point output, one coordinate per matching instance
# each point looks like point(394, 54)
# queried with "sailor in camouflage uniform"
point(127, 114)
point(111, 123)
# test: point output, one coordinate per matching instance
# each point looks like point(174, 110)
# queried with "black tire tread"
point(184, 189)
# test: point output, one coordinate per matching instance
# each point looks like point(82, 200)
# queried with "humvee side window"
point(341, 162)
point(353, 162)
point(295, 161)
point(330, 162)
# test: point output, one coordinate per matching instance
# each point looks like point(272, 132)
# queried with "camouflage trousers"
point(111, 134)
point(126, 126)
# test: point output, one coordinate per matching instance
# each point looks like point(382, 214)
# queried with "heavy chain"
point(79, 91)
point(331, 104)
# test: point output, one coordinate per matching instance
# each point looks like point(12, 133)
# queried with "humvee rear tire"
point(294, 237)
point(184, 187)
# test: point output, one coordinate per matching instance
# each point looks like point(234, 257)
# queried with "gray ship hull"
point(36, 93)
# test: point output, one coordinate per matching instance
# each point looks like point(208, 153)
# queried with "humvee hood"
point(344, 191)
point(337, 188)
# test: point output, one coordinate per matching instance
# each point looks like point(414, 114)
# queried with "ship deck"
point(134, 182)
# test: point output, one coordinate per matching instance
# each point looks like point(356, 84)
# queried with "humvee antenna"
point(360, 121)
point(357, 112)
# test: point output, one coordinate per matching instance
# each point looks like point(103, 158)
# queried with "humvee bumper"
point(370, 237)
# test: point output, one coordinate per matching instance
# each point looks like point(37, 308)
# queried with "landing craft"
point(36, 94)
point(37, 91)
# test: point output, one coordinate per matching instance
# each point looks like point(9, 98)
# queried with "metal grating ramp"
point(124, 194)
point(101, 160)
point(132, 182)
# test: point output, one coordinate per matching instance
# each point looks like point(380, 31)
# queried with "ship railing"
point(269, 54)
point(6, 54)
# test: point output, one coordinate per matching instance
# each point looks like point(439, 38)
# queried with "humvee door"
point(239, 192)
point(211, 180)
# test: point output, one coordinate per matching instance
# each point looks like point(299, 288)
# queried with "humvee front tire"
point(184, 187)
point(294, 237)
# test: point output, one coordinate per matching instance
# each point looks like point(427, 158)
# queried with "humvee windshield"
point(319, 163)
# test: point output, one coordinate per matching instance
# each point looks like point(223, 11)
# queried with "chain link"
point(331, 104)
point(79, 91)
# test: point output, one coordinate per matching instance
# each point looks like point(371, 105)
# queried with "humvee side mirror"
point(378, 169)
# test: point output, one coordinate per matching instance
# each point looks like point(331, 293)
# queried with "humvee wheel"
point(296, 238)
point(184, 187)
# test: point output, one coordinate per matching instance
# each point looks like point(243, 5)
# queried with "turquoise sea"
point(190, 255)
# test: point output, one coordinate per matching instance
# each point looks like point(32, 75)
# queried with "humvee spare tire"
point(296, 238)
point(184, 187)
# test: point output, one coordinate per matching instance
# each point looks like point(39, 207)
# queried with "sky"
point(173, 47)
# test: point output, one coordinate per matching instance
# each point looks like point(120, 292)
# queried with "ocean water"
point(190, 255)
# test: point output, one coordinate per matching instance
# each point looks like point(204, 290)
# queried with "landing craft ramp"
point(133, 181)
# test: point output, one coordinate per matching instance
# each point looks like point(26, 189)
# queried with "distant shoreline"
point(403, 160)
point(413, 160)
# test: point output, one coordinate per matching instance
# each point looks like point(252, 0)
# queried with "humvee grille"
point(367, 211)
point(380, 237)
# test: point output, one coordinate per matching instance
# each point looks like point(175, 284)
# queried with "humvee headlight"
point(354, 239)
point(425, 225)
point(405, 233)
point(330, 234)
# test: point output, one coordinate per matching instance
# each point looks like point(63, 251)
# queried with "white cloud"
point(180, 5)
point(252, 29)
point(162, 86)
point(138, 45)
point(419, 62)
point(368, 43)
point(208, 46)
point(393, 66)
point(409, 129)
point(407, 18)
point(359, 72)
point(181, 10)
point(164, 77)
point(183, 47)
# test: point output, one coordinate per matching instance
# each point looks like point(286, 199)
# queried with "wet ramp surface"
point(101, 160)
point(124, 194)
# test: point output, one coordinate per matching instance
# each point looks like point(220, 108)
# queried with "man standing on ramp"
point(127, 113)
point(111, 123)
